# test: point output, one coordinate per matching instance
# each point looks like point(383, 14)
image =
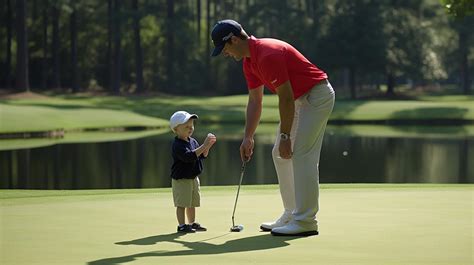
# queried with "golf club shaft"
point(238, 190)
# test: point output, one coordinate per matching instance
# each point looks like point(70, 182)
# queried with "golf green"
point(359, 224)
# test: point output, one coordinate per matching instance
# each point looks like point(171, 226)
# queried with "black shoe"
point(186, 229)
point(198, 227)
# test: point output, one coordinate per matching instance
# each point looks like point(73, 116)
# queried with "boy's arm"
point(200, 150)
point(205, 153)
point(204, 148)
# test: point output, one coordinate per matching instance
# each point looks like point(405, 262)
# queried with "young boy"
point(187, 165)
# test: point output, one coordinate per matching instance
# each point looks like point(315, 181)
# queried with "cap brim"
point(217, 50)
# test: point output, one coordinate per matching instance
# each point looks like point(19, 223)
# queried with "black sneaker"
point(186, 229)
point(198, 227)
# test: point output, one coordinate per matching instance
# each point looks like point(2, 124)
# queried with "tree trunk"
point(170, 45)
point(198, 21)
point(22, 81)
point(208, 35)
point(55, 49)
point(110, 34)
point(9, 24)
point(207, 54)
point(117, 49)
point(74, 70)
point(44, 60)
point(463, 161)
point(390, 85)
point(138, 49)
point(464, 63)
point(34, 14)
point(352, 81)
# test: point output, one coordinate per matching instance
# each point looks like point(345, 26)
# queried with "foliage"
point(411, 40)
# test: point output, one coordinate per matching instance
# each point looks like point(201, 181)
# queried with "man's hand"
point(285, 149)
point(246, 149)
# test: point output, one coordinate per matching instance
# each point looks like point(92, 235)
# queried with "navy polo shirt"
point(186, 165)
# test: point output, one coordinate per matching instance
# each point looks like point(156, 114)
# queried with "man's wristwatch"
point(284, 136)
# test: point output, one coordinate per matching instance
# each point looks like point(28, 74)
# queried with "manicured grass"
point(75, 112)
point(359, 224)
point(25, 118)
point(79, 137)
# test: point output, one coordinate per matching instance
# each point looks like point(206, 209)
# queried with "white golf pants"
point(298, 177)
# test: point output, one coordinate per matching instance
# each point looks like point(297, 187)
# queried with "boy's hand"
point(210, 140)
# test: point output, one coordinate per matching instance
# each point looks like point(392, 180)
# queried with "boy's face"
point(185, 130)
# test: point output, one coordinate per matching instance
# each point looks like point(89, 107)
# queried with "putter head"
point(237, 228)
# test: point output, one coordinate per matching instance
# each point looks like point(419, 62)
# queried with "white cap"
point(180, 117)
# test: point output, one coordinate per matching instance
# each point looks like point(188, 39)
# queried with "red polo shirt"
point(273, 62)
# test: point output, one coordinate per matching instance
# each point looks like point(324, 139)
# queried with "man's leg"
point(284, 170)
point(314, 113)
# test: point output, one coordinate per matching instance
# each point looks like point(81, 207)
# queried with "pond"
point(346, 157)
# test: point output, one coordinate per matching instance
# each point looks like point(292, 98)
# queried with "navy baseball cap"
point(222, 32)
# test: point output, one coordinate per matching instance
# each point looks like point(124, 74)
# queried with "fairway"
point(359, 224)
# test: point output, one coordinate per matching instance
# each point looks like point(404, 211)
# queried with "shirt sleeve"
point(274, 70)
point(252, 80)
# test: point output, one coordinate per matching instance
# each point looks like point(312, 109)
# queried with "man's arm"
point(286, 106)
point(254, 111)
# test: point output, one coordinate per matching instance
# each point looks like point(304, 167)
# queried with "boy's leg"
point(182, 198)
point(180, 215)
point(191, 214)
point(196, 202)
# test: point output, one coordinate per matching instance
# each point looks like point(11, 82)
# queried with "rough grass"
point(359, 224)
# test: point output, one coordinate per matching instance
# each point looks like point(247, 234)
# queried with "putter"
point(238, 228)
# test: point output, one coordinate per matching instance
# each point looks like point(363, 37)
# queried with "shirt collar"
point(252, 47)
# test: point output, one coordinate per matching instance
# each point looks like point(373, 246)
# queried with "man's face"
point(233, 48)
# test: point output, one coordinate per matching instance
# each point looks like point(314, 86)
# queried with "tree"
point(138, 48)
point(74, 68)
point(459, 8)
point(355, 40)
point(462, 13)
point(8, 61)
point(198, 20)
point(170, 45)
point(117, 55)
point(22, 77)
point(44, 42)
point(110, 38)
point(55, 49)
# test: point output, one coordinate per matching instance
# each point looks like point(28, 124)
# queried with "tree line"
point(139, 46)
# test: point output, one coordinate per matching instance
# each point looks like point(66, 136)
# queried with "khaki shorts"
point(186, 192)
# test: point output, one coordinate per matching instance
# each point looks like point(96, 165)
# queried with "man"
point(305, 100)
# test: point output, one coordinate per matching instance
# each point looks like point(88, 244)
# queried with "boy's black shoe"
point(198, 227)
point(185, 229)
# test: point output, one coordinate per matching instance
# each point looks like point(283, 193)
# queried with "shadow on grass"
point(448, 113)
point(260, 242)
